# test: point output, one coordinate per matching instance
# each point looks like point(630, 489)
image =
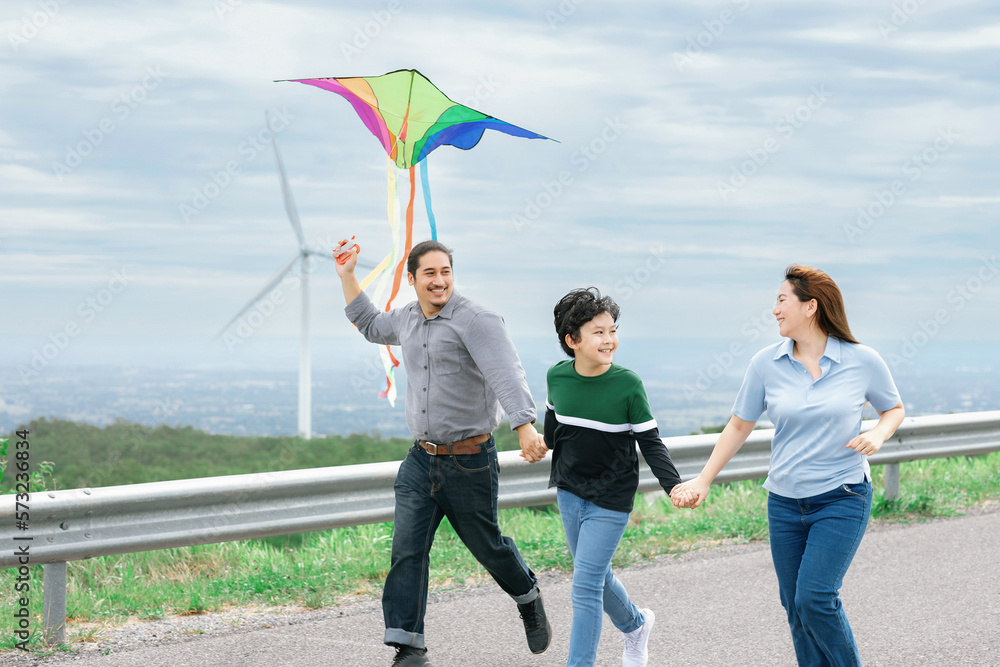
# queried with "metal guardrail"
point(83, 523)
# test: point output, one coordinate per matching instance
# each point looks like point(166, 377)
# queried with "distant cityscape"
point(688, 389)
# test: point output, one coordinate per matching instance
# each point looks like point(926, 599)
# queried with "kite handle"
point(343, 251)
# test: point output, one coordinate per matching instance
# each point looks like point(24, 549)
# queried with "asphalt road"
point(925, 594)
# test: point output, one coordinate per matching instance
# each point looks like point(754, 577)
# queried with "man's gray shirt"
point(462, 371)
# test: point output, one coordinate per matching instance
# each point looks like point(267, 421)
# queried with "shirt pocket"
point(447, 365)
point(447, 354)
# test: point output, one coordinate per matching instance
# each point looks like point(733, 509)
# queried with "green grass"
point(326, 568)
point(939, 487)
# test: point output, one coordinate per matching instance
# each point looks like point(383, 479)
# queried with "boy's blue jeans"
point(429, 488)
point(813, 541)
point(593, 534)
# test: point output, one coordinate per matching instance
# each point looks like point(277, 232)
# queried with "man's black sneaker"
point(408, 656)
point(536, 625)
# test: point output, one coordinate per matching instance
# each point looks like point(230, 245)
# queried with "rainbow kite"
point(411, 118)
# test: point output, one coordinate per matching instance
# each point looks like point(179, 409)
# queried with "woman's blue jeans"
point(593, 534)
point(813, 541)
point(464, 489)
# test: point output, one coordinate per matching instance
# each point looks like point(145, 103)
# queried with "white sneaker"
point(635, 653)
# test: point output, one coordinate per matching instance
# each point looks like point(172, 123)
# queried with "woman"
point(813, 385)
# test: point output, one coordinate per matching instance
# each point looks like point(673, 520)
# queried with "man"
point(462, 373)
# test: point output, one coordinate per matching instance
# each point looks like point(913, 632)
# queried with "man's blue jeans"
point(429, 488)
point(813, 541)
point(593, 534)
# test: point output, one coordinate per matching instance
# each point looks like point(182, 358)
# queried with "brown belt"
point(471, 445)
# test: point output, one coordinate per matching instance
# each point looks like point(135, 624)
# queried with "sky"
point(699, 148)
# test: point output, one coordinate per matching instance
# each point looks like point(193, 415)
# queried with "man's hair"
point(576, 309)
point(421, 249)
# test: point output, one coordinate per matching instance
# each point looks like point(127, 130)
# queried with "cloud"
point(684, 131)
point(952, 201)
point(954, 41)
point(21, 180)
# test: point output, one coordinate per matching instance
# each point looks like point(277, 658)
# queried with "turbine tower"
point(301, 258)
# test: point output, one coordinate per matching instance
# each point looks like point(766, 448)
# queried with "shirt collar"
point(784, 349)
point(832, 351)
point(447, 311)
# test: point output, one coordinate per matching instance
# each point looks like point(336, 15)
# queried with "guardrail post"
point(891, 481)
point(54, 603)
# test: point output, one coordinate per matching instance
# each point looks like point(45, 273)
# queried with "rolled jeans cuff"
point(403, 638)
point(527, 597)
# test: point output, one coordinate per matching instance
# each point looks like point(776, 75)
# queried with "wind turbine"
point(301, 258)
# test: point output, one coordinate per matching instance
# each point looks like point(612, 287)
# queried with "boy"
point(595, 413)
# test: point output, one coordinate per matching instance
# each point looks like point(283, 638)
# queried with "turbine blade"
point(286, 191)
point(267, 288)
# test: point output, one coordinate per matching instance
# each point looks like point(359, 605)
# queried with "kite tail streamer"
point(397, 279)
point(426, 189)
point(375, 272)
point(388, 259)
point(389, 362)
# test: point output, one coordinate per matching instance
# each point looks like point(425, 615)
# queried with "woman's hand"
point(866, 443)
point(690, 494)
point(681, 496)
point(870, 442)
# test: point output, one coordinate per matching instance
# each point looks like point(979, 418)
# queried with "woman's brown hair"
point(809, 283)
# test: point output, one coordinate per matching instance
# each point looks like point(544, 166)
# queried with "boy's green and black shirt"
point(592, 425)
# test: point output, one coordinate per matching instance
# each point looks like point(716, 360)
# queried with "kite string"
point(426, 189)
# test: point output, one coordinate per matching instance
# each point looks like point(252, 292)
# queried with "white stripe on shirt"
point(601, 426)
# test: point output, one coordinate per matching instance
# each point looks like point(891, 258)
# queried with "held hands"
point(682, 497)
point(532, 442)
point(690, 494)
point(866, 443)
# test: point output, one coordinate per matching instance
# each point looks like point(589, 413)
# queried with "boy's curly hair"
point(576, 309)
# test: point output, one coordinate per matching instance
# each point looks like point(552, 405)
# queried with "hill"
point(84, 455)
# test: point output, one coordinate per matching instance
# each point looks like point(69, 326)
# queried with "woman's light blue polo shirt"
point(814, 420)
